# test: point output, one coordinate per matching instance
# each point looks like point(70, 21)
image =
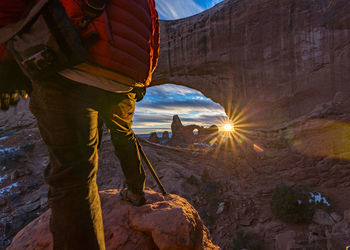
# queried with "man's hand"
point(92, 10)
point(140, 93)
point(13, 84)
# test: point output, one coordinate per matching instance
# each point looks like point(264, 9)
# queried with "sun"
point(228, 127)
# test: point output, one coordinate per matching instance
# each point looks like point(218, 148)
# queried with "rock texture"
point(272, 59)
point(163, 223)
point(229, 185)
point(288, 60)
point(332, 237)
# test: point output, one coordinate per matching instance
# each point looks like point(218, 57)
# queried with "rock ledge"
point(168, 222)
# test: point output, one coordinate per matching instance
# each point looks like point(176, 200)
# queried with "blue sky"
point(175, 9)
point(154, 113)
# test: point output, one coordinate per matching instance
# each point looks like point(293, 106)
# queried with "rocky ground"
point(230, 187)
point(145, 227)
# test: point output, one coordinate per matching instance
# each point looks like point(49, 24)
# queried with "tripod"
point(149, 165)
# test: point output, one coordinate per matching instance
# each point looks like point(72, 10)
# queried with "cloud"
point(155, 112)
point(214, 2)
point(169, 89)
point(206, 119)
point(208, 3)
point(178, 106)
point(174, 99)
point(142, 120)
point(175, 9)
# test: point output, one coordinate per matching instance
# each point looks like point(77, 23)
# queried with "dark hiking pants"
point(68, 116)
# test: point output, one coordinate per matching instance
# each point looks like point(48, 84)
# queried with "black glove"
point(13, 84)
point(140, 92)
point(92, 10)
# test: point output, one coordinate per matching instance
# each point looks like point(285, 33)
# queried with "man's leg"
point(69, 128)
point(117, 112)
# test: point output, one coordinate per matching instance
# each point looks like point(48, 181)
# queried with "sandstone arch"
point(278, 58)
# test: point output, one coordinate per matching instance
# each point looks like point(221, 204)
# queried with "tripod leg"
point(149, 165)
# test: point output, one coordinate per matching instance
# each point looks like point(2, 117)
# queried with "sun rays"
point(235, 133)
point(228, 127)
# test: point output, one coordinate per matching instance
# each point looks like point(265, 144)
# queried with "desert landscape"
point(280, 180)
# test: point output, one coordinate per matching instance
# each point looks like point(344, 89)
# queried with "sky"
point(155, 112)
point(175, 9)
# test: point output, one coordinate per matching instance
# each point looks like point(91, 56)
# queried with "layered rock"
point(168, 222)
point(330, 234)
point(271, 60)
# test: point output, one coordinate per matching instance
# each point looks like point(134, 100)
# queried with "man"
point(68, 107)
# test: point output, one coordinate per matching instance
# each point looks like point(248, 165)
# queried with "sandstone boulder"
point(168, 222)
point(321, 217)
point(292, 240)
point(339, 237)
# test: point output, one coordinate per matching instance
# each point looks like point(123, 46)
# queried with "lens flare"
point(333, 140)
point(236, 132)
point(228, 127)
point(257, 148)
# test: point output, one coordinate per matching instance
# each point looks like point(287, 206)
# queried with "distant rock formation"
point(213, 129)
point(165, 138)
point(163, 223)
point(153, 137)
point(184, 135)
point(272, 60)
point(177, 131)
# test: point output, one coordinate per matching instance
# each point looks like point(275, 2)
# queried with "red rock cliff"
point(282, 57)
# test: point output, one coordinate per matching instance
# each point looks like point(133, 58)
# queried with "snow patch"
point(201, 144)
point(8, 188)
point(9, 150)
point(316, 197)
point(2, 178)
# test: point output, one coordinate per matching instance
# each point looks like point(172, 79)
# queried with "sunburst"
point(228, 127)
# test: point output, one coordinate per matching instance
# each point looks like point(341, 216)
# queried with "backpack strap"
point(92, 10)
point(9, 31)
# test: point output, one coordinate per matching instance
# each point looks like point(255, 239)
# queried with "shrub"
point(291, 204)
point(244, 240)
point(210, 189)
point(205, 175)
point(192, 180)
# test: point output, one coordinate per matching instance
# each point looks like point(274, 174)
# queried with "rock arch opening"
point(168, 106)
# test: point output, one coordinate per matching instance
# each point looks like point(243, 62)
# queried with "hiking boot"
point(136, 199)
